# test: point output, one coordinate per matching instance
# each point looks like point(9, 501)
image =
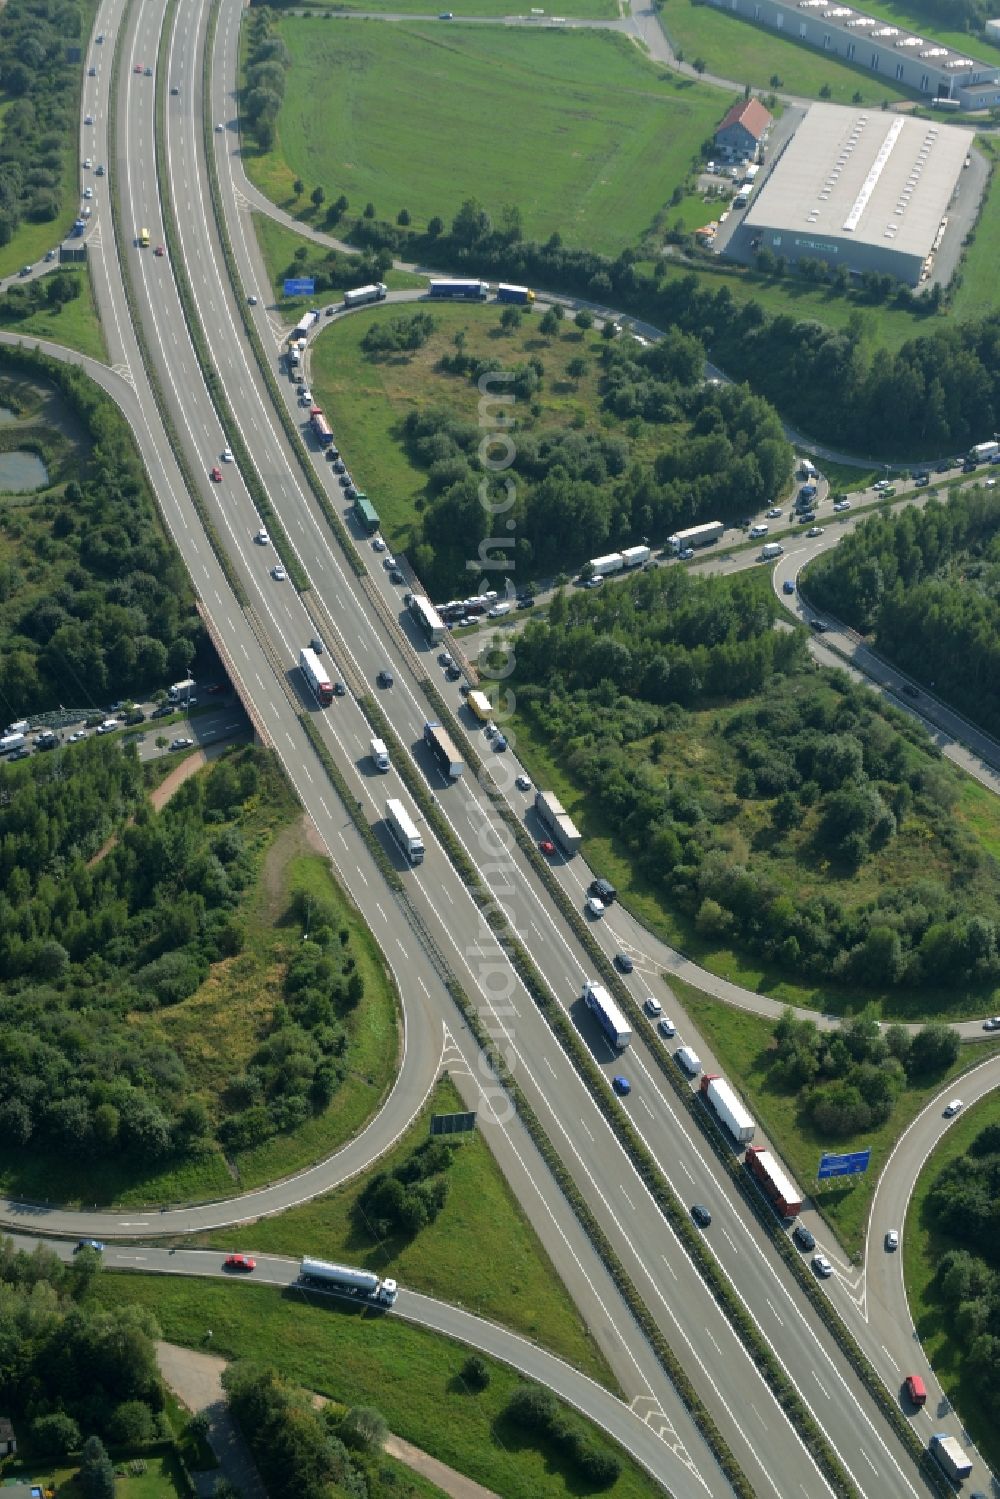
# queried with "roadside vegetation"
point(759, 1055)
point(59, 307)
point(952, 1269)
point(287, 254)
point(615, 442)
point(429, 1236)
point(367, 106)
point(211, 1046)
point(780, 824)
point(497, 8)
point(419, 1382)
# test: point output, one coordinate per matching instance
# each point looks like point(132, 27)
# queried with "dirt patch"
point(158, 798)
point(299, 838)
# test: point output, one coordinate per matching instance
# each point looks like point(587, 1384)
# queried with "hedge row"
point(292, 433)
point(199, 342)
point(152, 376)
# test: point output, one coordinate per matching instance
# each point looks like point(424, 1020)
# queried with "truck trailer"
point(780, 1190)
point(984, 451)
point(519, 295)
point(557, 821)
point(636, 556)
point(611, 1020)
point(318, 682)
point(404, 830)
point(363, 1283)
point(727, 1108)
point(304, 326)
point(459, 291)
point(480, 705)
point(950, 1455)
point(601, 567)
point(377, 291)
point(696, 536)
point(770, 550)
point(10, 742)
point(442, 748)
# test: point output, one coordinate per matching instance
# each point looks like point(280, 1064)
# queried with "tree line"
point(94, 600)
point(267, 62)
point(40, 81)
point(794, 771)
point(570, 493)
point(926, 585)
point(86, 946)
point(962, 1205)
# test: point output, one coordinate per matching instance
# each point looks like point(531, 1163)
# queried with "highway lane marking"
point(890, 1358)
point(760, 1418)
point(323, 804)
point(128, 1224)
point(308, 776)
point(647, 1108)
point(711, 1338)
point(385, 917)
point(868, 1460)
point(586, 1130)
point(628, 1199)
point(451, 899)
point(550, 1066)
point(684, 1168)
point(669, 1266)
point(772, 1306)
point(819, 1382)
point(731, 1244)
point(419, 979)
point(402, 948)
point(362, 877)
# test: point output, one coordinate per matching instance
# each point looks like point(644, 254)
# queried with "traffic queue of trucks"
point(727, 1108)
point(609, 1016)
point(950, 1455)
point(984, 452)
point(779, 1189)
point(439, 742)
point(696, 536)
point(317, 681)
point(553, 815)
point(377, 291)
point(404, 830)
point(361, 1283)
point(616, 562)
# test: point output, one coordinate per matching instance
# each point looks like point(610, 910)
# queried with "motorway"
point(259, 650)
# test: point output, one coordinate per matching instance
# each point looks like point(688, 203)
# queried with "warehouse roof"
point(867, 175)
point(751, 114)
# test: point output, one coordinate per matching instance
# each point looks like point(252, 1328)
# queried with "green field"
point(411, 1375)
point(594, 138)
point(977, 291)
point(163, 1478)
point(733, 48)
point(505, 1275)
point(923, 1246)
point(742, 1042)
point(476, 8)
point(73, 324)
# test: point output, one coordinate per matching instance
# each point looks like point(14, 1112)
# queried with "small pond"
point(22, 472)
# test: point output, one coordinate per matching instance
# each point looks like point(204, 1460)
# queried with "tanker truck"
point(364, 1284)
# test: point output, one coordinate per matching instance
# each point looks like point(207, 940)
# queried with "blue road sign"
point(851, 1164)
point(300, 286)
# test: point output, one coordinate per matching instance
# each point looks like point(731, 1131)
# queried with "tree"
point(699, 65)
point(363, 1428)
point(55, 1435)
point(510, 319)
point(132, 1424)
point(475, 1373)
point(577, 367)
point(933, 1049)
point(298, 187)
point(549, 324)
point(317, 197)
point(403, 217)
point(435, 227)
point(584, 319)
point(97, 1474)
point(369, 212)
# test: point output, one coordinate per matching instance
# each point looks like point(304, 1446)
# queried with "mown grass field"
point(504, 1275)
point(742, 1042)
point(923, 1246)
point(163, 1478)
point(977, 292)
point(477, 8)
point(411, 1375)
point(74, 324)
point(594, 137)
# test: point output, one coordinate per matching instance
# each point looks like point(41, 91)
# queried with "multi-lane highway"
point(260, 649)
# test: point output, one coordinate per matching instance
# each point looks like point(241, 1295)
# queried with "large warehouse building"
point(897, 55)
point(865, 189)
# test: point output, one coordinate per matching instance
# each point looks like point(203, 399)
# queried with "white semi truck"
point(727, 1107)
point(404, 830)
point(696, 536)
point(363, 1283)
point(609, 1016)
point(376, 292)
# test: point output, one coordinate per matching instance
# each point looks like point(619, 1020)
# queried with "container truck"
point(517, 294)
point(696, 536)
point(950, 1455)
point(770, 549)
point(427, 617)
point(688, 1059)
point(364, 1283)
point(181, 690)
point(404, 830)
point(317, 681)
point(480, 705)
point(376, 292)
point(555, 818)
point(601, 567)
point(322, 430)
point(304, 326)
point(10, 742)
point(777, 1187)
point(380, 755)
point(983, 451)
point(366, 513)
point(727, 1107)
point(469, 291)
point(611, 1020)
point(636, 556)
point(443, 750)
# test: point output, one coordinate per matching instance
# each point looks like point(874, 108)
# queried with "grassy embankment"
point(278, 246)
point(74, 324)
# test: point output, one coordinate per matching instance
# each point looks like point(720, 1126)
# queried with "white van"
point(498, 611)
point(757, 531)
point(771, 549)
point(380, 754)
point(689, 1060)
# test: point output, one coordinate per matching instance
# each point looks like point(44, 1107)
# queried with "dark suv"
point(803, 1237)
point(603, 889)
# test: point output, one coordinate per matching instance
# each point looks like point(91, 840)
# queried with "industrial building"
point(897, 55)
point(866, 189)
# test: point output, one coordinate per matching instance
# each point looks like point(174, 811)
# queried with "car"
point(174, 90)
point(453, 673)
point(989, 484)
point(621, 1085)
point(239, 1262)
point(840, 505)
point(98, 172)
point(160, 251)
point(892, 1240)
point(163, 711)
point(181, 743)
point(909, 689)
point(815, 531)
point(86, 211)
point(788, 586)
point(227, 455)
point(388, 561)
point(339, 690)
point(968, 467)
point(216, 688)
point(88, 119)
point(262, 539)
point(806, 517)
point(822, 1266)
point(22, 752)
point(701, 1215)
point(499, 744)
point(136, 715)
point(251, 300)
point(378, 545)
point(819, 625)
point(652, 1006)
point(916, 1392)
point(993, 1024)
point(25, 270)
point(99, 37)
point(75, 737)
point(546, 847)
point(215, 474)
point(148, 72)
point(942, 468)
point(523, 783)
point(278, 573)
point(773, 514)
point(604, 889)
point(396, 576)
point(594, 582)
point(51, 254)
point(921, 479)
point(881, 484)
point(666, 1027)
point(137, 68)
point(465, 689)
point(803, 1237)
point(219, 128)
point(623, 962)
point(95, 1244)
point(595, 907)
point(339, 467)
point(527, 602)
point(952, 1108)
point(686, 553)
point(108, 726)
point(445, 658)
point(86, 163)
point(329, 311)
point(385, 677)
point(88, 193)
point(91, 72)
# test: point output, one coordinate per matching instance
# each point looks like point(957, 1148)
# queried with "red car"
point(159, 250)
point(215, 474)
point(240, 1262)
point(137, 68)
point(547, 847)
